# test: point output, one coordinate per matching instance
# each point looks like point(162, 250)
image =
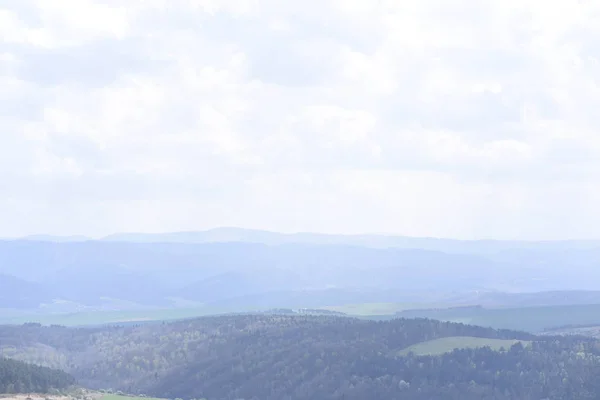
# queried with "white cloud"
point(464, 118)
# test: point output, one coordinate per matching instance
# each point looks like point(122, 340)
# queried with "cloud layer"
point(460, 119)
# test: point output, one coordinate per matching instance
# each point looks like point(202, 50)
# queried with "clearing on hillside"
point(448, 344)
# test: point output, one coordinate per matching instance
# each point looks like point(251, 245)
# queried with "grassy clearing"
point(446, 345)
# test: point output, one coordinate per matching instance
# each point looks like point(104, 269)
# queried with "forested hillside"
point(19, 377)
point(307, 357)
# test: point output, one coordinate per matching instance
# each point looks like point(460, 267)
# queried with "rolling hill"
point(307, 357)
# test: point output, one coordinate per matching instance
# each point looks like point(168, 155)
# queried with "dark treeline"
point(20, 377)
point(267, 357)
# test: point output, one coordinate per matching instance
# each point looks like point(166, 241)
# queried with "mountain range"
point(237, 267)
point(227, 234)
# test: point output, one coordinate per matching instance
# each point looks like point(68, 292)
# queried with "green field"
point(382, 309)
point(88, 318)
point(531, 319)
point(446, 345)
point(378, 311)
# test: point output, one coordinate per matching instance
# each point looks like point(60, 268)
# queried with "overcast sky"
point(448, 118)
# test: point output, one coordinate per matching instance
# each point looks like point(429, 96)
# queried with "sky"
point(464, 118)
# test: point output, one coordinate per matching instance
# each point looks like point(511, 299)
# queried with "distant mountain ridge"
point(239, 268)
point(364, 240)
point(233, 234)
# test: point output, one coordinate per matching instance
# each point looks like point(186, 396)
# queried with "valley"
point(144, 278)
point(325, 318)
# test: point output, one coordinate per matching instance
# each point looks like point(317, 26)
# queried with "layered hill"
point(74, 275)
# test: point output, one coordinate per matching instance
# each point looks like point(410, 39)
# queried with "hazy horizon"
point(291, 233)
point(419, 118)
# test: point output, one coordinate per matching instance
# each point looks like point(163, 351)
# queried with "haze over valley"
point(235, 270)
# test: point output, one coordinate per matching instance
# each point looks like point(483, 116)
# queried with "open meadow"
point(446, 345)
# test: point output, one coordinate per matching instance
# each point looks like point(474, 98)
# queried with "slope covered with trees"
point(308, 357)
point(19, 377)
